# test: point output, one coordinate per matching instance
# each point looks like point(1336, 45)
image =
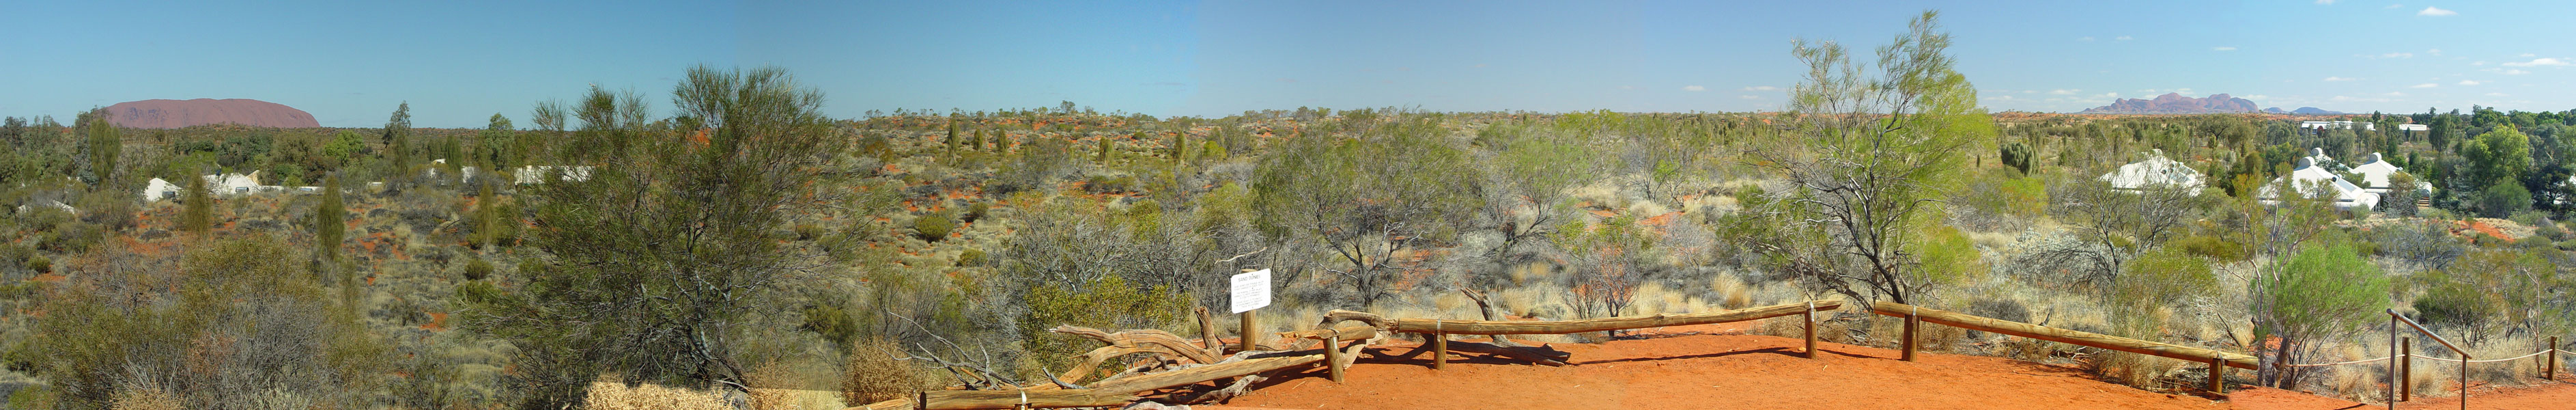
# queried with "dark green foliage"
point(104, 145)
point(2325, 292)
point(2503, 200)
point(832, 322)
point(971, 258)
point(199, 216)
point(397, 140)
point(330, 224)
point(478, 269)
point(39, 264)
point(660, 256)
point(933, 227)
point(1106, 147)
point(977, 211)
point(2017, 155)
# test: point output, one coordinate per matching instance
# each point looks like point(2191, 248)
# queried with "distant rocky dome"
point(2302, 111)
point(2175, 103)
point(203, 111)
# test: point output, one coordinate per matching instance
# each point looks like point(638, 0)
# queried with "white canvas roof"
point(2156, 170)
point(2347, 195)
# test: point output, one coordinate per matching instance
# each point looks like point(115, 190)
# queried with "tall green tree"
point(1874, 155)
point(104, 143)
point(397, 140)
point(2325, 292)
point(496, 147)
point(330, 221)
point(661, 255)
point(2500, 156)
point(199, 214)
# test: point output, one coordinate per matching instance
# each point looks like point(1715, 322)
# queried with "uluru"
point(203, 111)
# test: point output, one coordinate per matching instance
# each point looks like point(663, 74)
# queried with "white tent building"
point(2156, 170)
point(2375, 171)
point(2310, 176)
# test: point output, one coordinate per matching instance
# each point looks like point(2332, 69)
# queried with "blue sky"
point(457, 63)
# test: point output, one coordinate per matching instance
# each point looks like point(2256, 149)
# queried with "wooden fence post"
point(925, 401)
point(1246, 345)
point(1333, 355)
point(1439, 346)
point(1811, 329)
point(1913, 320)
point(2218, 375)
point(2552, 374)
point(2406, 368)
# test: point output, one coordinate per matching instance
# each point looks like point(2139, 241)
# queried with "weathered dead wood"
point(1539, 354)
point(1110, 393)
point(1168, 342)
point(1207, 331)
point(1346, 333)
point(1524, 327)
point(1241, 386)
point(2079, 338)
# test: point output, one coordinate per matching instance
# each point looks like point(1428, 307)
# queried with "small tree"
point(198, 217)
point(397, 140)
point(1871, 161)
point(104, 144)
point(2327, 291)
point(330, 224)
point(1609, 259)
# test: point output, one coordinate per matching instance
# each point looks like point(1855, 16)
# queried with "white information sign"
point(1251, 290)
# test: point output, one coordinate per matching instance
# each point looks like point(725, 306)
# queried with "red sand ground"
point(1726, 369)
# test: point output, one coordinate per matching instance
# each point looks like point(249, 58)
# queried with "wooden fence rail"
point(2079, 338)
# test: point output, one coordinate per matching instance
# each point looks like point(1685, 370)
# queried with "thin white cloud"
point(2111, 95)
point(2434, 51)
point(2122, 38)
point(2084, 38)
point(1749, 97)
point(2424, 85)
point(2539, 62)
point(1694, 88)
point(1761, 88)
point(2506, 71)
point(2334, 79)
point(2388, 55)
point(2258, 97)
point(2325, 1)
point(2224, 48)
point(2394, 94)
point(2496, 94)
point(2468, 82)
point(2436, 12)
point(2063, 91)
point(2529, 55)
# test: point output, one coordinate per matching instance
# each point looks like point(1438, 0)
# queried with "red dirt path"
point(1725, 368)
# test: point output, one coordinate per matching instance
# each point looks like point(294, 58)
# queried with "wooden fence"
point(1342, 345)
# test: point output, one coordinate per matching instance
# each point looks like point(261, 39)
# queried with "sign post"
point(1251, 290)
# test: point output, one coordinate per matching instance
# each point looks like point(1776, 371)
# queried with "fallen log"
point(1528, 327)
point(1107, 394)
point(1535, 354)
point(2079, 338)
point(1167, 341)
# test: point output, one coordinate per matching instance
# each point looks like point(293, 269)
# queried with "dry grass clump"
point(876, 375)
point(1731, 291)
point(146, 398)
point(2131, 369)
point(616, 396)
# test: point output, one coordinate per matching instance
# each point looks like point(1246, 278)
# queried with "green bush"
point(2325, 292)
point(478, 269)
point(2503, 200)
point(932, 227)
point(977, 211)
point(807, 231)
point(40, 264)
point(971, 257)
point(2209, 246)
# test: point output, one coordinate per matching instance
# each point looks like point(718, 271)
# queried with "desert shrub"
point(971, 257)
point(2212, 247)
point(808, 231)
point(2503, 200)
point(478, 269)
point(40, 264)
point(933, 227)
point(2017, 155)
point(245, 310)
point(878, 373)
point(832, 322)
point(2324, 292)
point(1107, 302)
point(977, 211)
point(146, 398)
